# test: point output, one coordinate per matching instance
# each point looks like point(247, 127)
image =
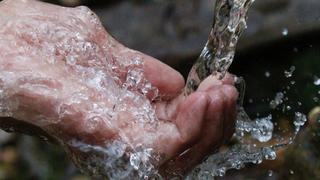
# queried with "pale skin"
point(34, 72)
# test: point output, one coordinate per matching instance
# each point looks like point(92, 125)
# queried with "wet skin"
point(38, 83)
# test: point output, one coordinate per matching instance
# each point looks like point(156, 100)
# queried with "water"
point(129, 104)
point(285, 32)
point(278, 100)
point(316, 81)
point(289, 73)
point(218, 53)
point(255, 139)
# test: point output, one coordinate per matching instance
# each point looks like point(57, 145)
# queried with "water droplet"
point(291, 171)
point(316, 81)
point(285, 32)
point(277, 100)
point(270, 173)
point(288, 108)
point(289, 73)
point(299, 120)
point(267, 74)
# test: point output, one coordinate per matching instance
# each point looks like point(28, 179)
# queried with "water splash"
point(255, 139)
point(278, 100)
point(115, 160)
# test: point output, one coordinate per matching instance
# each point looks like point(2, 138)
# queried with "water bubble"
point(289, 73)
point(316, 99)
point(285, 32)
point(270, 173)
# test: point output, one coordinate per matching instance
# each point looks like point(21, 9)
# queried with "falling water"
point(255, 140)
point(218, 53)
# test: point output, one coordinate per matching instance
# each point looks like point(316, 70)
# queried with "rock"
point(175, 30)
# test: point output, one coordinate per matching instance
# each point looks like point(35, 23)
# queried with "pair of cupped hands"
point(60, 71)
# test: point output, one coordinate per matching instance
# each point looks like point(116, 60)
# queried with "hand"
point(62, 72)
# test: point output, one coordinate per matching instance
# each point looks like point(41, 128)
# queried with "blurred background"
point(282, 36)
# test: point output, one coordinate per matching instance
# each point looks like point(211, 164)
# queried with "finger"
point(231, 95)
point(228, 79)
point(209, 83)
point(169, 82)
point(189, 122)
point(191, 117)
point(213, 81)
point(211, 137)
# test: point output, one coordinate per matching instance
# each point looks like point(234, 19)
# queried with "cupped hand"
point(62, 72)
